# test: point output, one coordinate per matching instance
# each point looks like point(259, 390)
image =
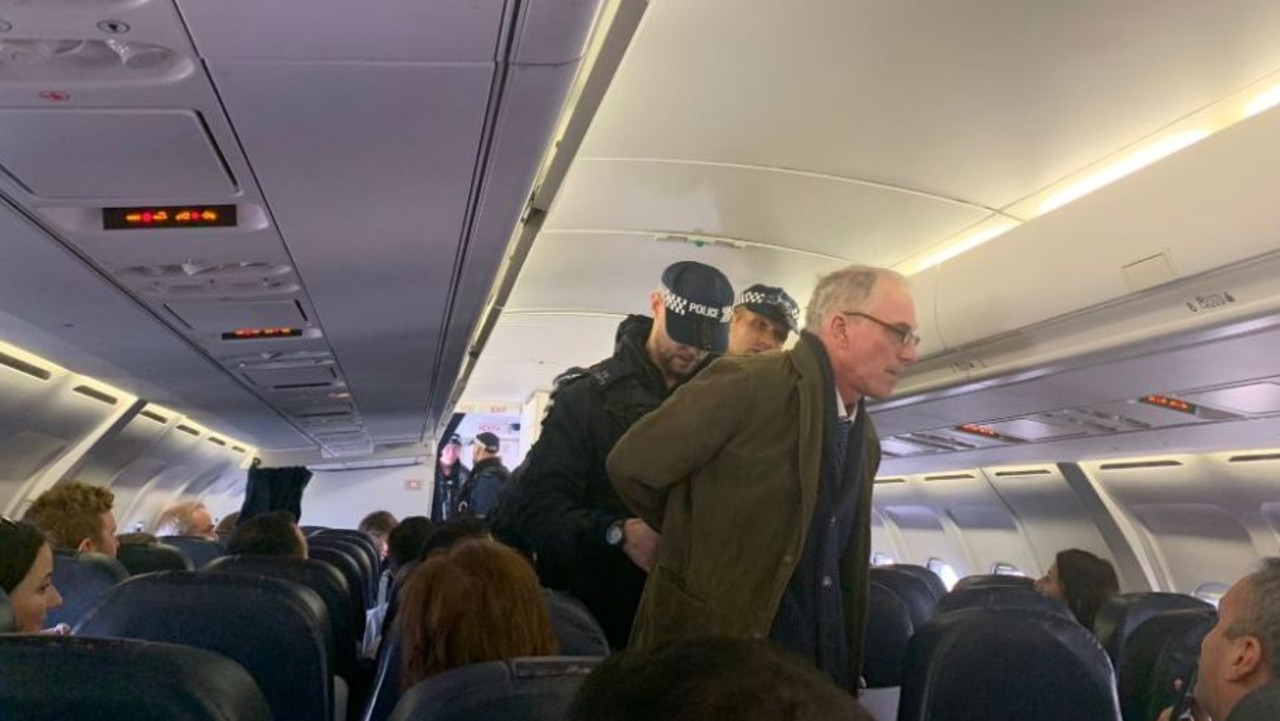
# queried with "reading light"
point(1119, 169)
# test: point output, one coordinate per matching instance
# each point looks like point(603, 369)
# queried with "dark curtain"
point(449, 430)
point(274, 489)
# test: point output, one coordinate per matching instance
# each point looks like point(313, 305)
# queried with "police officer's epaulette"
point(602, 374)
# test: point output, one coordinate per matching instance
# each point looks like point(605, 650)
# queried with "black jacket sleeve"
point(568, 503)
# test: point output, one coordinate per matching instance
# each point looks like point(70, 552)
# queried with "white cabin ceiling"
point(796, 138)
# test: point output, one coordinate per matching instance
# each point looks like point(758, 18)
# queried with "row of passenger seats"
point(83, 578)
point(292, 626)
point(994, 648)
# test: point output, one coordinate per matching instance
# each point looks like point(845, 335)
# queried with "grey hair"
point(844, 289)
point(177, 520)
point(1261, 617)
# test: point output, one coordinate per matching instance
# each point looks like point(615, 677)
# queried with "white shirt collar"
point(842, 411)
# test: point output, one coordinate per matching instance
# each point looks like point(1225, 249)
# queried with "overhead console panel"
point(312, 198)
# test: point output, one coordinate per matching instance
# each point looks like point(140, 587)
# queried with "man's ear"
point(1246, 658)
point(86, 544)
point(655, 303)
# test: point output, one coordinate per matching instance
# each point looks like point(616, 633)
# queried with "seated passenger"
point(404, 543)
point(26, 574)
point(719, 678)
point(189, 518)
point(1239, 677)
point(1082, 581)
point(227, 524)
point(446, 535)
point(378, 525)
point(477, 601)
point(76, 517)
point(271, 534)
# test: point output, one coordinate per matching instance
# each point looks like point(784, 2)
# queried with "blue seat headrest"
point(53, 678)
point(1006, 664)
point(986, 580)
point(930, 578)
point(345, 618)
point(1001, 597)
point(140, 558)
point(889, 629)
point(577, 630)
point(342, 562)
point(530, 689)
point(368, 566)
point(82, 579)
point(6, 614)
point(277, 630)
point(914, 592)
point(199, 549)
point(1164, 648)
point(1122, 614)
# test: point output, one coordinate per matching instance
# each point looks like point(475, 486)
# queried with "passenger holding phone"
point(1239, 668)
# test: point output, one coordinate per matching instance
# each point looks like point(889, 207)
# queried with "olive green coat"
point(727, 470)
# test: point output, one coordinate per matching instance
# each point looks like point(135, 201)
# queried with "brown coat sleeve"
point(685, 433)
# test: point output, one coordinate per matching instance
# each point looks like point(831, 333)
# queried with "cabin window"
point(944, 571)
point(1210, 592)
point(881, 559)
point(1000, 568)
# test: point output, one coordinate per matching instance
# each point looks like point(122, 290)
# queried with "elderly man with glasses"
point(758, 475)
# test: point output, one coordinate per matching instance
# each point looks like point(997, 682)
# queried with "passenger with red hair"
point(477, 601)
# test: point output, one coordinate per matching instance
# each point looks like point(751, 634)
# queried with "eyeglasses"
point(906, 336)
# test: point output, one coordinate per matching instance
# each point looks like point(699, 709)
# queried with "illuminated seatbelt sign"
point(169, 216)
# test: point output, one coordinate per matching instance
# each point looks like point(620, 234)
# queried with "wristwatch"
point(613, 534)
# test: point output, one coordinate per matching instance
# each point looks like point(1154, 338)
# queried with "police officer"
point(569, 517)
point(762, 320)
point(480, 493)
point(450, 477)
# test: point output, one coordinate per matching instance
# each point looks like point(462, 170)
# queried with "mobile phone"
point(1182, 708)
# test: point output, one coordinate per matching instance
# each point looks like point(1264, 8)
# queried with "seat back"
point(889, 629)
point(1006, 664)
point(361, 538)
point(342, 562)
point(199, 549)
point(82, 579)
point(578, 631)
point(140, 558)
point(54, 678)
point(986, 580)
point(276, 630)
point(1001, 597)
point(384, 694)
point(579, 634)
point(524, 689)
point(369, 570)
point(1121, 615)
point(346, 621)
point(915, 593)
point(6, 614)
point(931, 579)
point(1164, 648)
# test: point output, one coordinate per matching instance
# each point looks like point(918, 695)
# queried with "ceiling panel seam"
point(783, 170)
point(501, 69)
